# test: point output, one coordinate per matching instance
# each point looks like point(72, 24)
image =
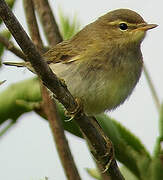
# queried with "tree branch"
point(10, 46)
point(101, 147)
point(32, 24)
point(58, 134)
point(48, 21)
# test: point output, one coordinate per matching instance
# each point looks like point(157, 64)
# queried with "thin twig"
point(48, 21)
point(32, 24)
point(10, 46)
point(152, 88)
point(59, 137)
point(49, 106)
point(1, 82)
point(101, 146)
point(4, 130)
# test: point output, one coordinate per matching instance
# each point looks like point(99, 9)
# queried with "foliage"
point(68, 28)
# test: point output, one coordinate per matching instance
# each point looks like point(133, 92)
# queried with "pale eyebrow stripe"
point(120, 21)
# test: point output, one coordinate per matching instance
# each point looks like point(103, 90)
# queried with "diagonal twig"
point(4, 130)
point(10, 46)
point(152, 88)
point(60, 139)
point(48, 21)
point(32, 24)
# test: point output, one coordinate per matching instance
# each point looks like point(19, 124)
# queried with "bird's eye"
point(123, 26)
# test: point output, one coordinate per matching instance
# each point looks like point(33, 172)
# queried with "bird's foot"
point(107, 166)
point(73, 113)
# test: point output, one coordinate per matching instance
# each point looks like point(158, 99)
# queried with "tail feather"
point(20, 64)
point(17, 64)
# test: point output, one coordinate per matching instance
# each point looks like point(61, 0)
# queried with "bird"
point(103, 62)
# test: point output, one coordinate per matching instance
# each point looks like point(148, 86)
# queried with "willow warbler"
point(103, 62)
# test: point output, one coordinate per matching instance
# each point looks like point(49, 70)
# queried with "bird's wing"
point(66, 51)
point(62, 53)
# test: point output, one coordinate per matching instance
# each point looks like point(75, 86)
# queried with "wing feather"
point(61, 53)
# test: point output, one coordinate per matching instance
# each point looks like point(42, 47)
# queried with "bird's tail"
point(17, 64)
point(20, 64)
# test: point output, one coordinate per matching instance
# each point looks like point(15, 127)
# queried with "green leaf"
point(131, 139)
point(157, 148)
point(128, 148)
point(127, 174)
point(161, 122)
point(28, 90)
point(156, 169)
point(7, 35)
point(94, 173)
point(118, 132)
point(23, 97)
point(68, 28)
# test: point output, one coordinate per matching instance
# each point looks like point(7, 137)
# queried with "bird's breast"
point(101, 87)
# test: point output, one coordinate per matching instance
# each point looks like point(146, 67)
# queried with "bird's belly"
point(104, 96)
point(98, 92)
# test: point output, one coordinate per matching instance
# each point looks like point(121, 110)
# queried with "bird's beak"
point(145, 27)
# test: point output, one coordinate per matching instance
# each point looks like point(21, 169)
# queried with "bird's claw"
point(73, 113)
point(110, 156)
point(107, 166)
